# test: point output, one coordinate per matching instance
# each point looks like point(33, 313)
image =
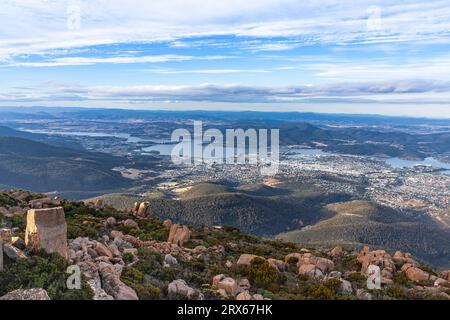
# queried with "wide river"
point(166, 149)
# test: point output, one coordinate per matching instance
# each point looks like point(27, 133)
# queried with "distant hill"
point(362, 222)
point(44, 168)
point(256, 209)
point(49, 139)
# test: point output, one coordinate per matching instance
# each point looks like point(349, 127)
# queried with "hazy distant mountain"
point(43, 168)
point(365, 223)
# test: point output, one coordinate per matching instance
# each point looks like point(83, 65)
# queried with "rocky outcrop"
point(44, 203)
point(113, 285)
point(378, 258)
point(47, 229)
point(26, 294)
point(142, 210)
point(415, 274)
point(179, 235)
point(308, 264)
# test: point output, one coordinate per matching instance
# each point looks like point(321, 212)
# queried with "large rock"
point(325, 265)
point(245, 259)
point(112, 284)
point(227, 284)
point(44, 203)
point(310, 270)
point(47, 229)
point(179, 289)
point(415, 274)
point(102, 250)
point(5, 235)
point(142, 210)
point(130, 223)
point(179, 234)
point(277, 264)
point(13, 253)
point(28, 294)
point(244, 296)
point(377, 257)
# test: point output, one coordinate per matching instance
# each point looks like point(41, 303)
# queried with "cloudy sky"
point(384, 57)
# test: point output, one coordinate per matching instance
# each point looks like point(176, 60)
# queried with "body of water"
point(164, 147)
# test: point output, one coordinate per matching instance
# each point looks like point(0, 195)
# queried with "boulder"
point(290, 256)
point(310, 270)
point(361, 294)
point(167, 223)
point(244, 296)
point(18, 243)
point(346, 287)
point(245, 259)
point(217, 279)
point(114, 250)
point(277, 264)
point(325, 265)
point(336, 252)
point(244, 284)
point(258, 297)
point(402, 258)
point(112, 284)
point(26, 294)
point(98, 203)
point(47, 229)
point(99, 293)
point(130, 223)
point(179, 289)
point(228, 284)
point(415, 274)
point(170, 260)
point(377, 257)
point(440, 282)
point(102, 250)
point(179, 235)
point(142, 210)
point(111, 221)
point(44, 203)
point(116, 234)
point(13, 253)
point(5, 235)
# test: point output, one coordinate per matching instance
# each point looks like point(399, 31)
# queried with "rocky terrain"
point(131, 254)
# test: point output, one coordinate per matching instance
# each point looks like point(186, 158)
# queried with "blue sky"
point(386, 57)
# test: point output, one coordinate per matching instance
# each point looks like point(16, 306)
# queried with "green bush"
point(357, 279)
point(127, 257)
point(396, 293)
point(42, 271)
point(320, 292)
point(261, 274)
point(333, 284)
point(135, 279)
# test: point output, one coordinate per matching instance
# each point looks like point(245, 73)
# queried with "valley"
point(340, 180)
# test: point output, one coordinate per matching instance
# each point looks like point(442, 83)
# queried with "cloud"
point(82, 61)
point(417, 91)
point(39, 26)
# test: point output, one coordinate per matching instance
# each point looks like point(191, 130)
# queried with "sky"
point(379, 57)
